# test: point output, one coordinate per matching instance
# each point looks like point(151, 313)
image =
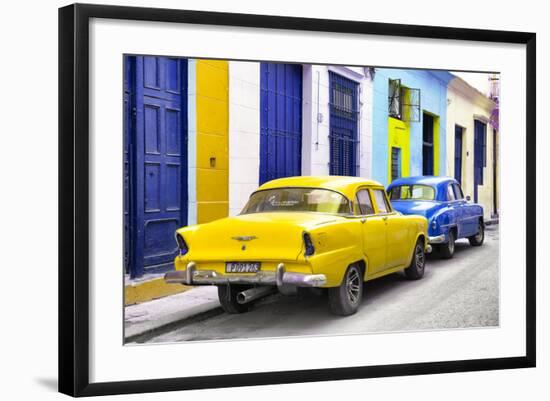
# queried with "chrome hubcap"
point(419, 257)
point(451, 244)
point(353, 285)
point(479, 235)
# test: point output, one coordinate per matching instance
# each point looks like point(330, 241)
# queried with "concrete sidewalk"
point(148, 287)
point(157, 314)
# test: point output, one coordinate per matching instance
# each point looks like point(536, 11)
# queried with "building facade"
point(202, 135)
point(409, 123)
point(292, 119)
point(472, 143)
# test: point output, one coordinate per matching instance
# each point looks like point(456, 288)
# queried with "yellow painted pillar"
point(399, 136)
point(212, 140)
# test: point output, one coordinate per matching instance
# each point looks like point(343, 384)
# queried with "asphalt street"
point(462, 292)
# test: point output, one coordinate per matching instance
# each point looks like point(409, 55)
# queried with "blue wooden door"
point(480, 141)
point(158, 163)
point(129, 66)
point(458, 153)
point(344, 115)
point(280, 121)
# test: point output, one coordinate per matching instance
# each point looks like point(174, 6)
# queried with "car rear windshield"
point(412, 192)
point(297, 200)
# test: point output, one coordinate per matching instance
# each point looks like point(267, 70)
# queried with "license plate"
point(242, 267)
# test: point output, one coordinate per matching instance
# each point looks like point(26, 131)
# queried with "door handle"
point(363, 220)
point(385, 218)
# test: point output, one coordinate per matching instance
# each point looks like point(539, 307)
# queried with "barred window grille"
point(403, 102)
point(411, 104)
point(395, 163)
point(394, 98)
point(344, 116)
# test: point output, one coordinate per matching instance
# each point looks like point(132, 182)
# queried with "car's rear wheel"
point(477, 240)
point(415, 270)
point(345, 299)
point(227, 294)
point(448, 250)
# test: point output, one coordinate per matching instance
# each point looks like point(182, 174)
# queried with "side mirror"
point(468, 198)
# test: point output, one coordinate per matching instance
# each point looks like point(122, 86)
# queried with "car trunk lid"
point(254, 237)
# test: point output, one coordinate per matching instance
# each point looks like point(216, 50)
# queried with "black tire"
point(416, 269)
point(477, 240)
point(227, 294)
point(447, 250)
point(345, 299)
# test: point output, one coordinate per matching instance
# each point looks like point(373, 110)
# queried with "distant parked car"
point(442, 202)
point(329, 232)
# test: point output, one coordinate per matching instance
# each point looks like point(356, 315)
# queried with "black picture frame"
point(74, 194)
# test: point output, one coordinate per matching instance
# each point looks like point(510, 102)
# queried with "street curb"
point(144, 335)
point(212, 310)
point(153, 318)
point(144, 291)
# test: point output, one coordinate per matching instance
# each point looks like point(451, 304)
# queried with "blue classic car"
point(442, 202)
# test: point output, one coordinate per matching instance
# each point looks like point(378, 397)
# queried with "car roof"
point(423, 180)
point(343, 184)
point(439, 183)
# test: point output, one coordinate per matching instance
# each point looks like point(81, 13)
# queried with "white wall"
point(316, 128)
point(316, 119)
point(464, 106)
point(366, 126)
point(192, 142)
point(244, 132)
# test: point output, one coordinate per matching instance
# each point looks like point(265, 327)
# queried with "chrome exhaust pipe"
point(252, 294)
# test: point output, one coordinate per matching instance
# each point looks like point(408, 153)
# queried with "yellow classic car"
point(330, 232)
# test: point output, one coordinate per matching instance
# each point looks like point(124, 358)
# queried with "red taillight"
point(310, 249)
point(181, 244)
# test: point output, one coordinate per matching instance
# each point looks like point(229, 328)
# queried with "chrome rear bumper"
point(279, 277)
point(438, 239)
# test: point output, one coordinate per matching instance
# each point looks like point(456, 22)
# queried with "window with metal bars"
point(403, 102)
point(344, 117)
point(395, 163)
point(394, 98)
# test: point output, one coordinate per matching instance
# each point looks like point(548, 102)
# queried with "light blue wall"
point(433, 99)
